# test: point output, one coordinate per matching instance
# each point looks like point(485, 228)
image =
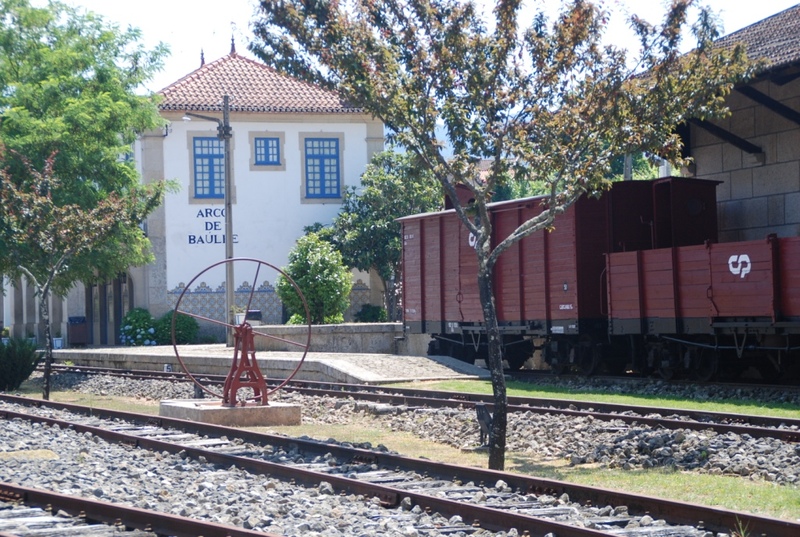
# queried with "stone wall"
point(374, 338)
point(760, 193)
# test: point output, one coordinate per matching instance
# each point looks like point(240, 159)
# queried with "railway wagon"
point(550, 287)
point(709, 308)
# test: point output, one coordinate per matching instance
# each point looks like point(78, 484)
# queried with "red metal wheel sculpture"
point(244, 371)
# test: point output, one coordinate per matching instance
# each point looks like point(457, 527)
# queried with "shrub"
point(330, 319)
point(138, 328)
point(370, 313)
point(18, 359)
point(186, 329)
point(317, 269)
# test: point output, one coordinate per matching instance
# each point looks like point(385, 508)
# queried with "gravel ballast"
point(545, 437)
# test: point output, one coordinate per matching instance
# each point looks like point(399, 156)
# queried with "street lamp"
point(225, 134)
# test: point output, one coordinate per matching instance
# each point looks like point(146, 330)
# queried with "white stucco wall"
point(268, 209)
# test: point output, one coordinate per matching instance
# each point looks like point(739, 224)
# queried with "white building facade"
point(295, 148)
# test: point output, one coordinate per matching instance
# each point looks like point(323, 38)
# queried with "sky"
point(189, 26)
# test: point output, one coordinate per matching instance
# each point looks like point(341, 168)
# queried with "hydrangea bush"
point(138, 328)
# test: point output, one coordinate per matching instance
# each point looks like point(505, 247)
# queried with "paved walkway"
point(335, 367)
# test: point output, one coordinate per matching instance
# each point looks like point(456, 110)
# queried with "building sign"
point(211, 227)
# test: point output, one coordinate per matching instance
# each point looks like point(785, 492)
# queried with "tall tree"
point(68, 86)
point(551, 102)
point(43, 238)
point(366, 230)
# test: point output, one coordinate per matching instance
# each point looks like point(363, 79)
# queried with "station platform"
point(324, 367)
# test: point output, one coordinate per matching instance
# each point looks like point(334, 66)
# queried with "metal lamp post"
point(225, 133)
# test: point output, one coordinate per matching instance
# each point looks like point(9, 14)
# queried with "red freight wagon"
point(550, 285)
point(723, 303)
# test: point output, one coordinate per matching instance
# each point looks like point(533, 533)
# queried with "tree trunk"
point(389, 299)
point(497, 434)
point(44, 314)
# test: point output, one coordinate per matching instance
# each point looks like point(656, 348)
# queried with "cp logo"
point(739, 264)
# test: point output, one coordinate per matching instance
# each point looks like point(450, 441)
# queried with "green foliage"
point(53, 244)
point(641, 167)
point(331, 319)
point(369, 313)
point(366, 231)
point(138, 329)
point(68, 86)
point(317, 269)
point(186, 329)
point(512, 190)
point(18, 359)
point(550, 103)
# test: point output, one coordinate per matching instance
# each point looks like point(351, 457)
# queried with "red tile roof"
point(774, 40)
point(252, 87)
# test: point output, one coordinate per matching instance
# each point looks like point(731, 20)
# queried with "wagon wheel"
point(704, 364)
point(556, 359)
point(244, 331)
point(666, 365)
point(666, 372)
point(588, 356)
point(769, 368)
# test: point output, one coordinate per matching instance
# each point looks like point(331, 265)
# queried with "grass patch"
point(726, 492)
point(109, 402)
point(372, 432)
point(524, 389)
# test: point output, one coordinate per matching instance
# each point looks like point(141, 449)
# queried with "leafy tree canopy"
point(68, 84)
point(318, 271)
point(46, 242)
point(366, 231)
point(550, 102)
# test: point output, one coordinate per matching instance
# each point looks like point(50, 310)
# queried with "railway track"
point(28, 512)
point(464, 498)
point(784, 429)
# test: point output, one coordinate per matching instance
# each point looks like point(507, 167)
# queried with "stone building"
point(755, 152)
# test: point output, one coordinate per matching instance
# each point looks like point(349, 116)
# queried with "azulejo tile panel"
point(209, 302)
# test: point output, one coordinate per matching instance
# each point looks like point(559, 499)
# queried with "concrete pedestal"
point(212, 411)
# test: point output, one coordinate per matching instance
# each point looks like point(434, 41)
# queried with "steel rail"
point(674, 512)
point(785, 429)
point(390, 497)
point(114, 513)
point(737, 423)
point(757, 426)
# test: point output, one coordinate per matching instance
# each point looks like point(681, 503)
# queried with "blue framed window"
point(268, 151)
point(209, 167)
point(322, 168)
